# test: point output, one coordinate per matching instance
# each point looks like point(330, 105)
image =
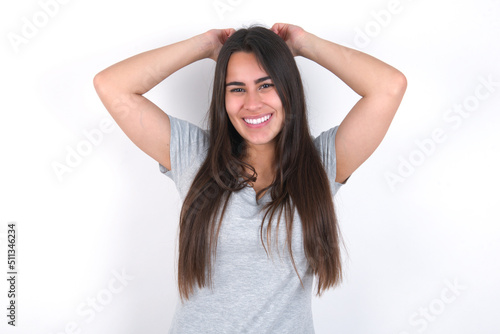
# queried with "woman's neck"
point(261, 158)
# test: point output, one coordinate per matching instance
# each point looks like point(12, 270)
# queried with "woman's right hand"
point(213, 40)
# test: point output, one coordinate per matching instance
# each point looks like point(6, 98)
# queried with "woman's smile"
point(257, 121)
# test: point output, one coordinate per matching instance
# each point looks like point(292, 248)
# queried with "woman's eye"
point(266, 85)
point(237, 90)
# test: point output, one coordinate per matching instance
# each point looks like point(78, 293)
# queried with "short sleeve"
point(325, 144)
point(188, 146)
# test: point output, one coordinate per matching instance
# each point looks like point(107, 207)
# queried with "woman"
point(255, 182)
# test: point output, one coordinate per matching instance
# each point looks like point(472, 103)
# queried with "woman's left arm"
point(380, 86)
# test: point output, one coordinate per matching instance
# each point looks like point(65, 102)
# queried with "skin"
point(250, 94)
point(381, 88)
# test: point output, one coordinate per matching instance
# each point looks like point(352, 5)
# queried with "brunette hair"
point(300, 180)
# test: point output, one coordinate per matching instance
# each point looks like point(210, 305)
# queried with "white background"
point(436, 225)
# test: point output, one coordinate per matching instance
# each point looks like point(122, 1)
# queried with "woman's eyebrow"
point(262, 79)
point(238, 83)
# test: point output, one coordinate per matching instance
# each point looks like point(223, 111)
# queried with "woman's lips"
point(255, 122)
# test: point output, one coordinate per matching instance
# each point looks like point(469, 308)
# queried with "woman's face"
point(252, 102)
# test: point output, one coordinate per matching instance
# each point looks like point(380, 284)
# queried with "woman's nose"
point(253, 101)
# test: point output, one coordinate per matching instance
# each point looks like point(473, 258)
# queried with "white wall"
point(420, 217)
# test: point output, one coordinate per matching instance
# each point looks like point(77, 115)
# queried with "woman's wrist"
point(210, 43)
point(308, 46)
point(205, 46)
point(202, 46)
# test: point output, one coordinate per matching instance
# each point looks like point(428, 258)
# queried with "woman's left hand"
point(293, 36)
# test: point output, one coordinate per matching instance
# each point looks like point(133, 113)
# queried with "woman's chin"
point(260, 141)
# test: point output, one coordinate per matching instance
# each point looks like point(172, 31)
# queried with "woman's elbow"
point(398, 84)
point(100, 82)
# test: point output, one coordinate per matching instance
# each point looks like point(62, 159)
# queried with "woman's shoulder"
point(325, 139)
point(325, 145)
point(182, 126)
point(188, 148)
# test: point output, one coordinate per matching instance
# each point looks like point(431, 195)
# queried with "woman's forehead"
point(244, 65)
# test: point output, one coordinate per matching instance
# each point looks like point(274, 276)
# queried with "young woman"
point(255, 184)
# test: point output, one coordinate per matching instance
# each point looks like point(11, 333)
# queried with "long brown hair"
point(300, 181)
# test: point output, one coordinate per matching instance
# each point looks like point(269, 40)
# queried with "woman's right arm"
point(121, 87)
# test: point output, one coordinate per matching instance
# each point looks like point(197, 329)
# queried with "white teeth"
point(257, 120)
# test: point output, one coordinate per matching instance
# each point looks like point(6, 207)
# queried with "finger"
point(230, 32)
point(277, 27)
point(226, 33)
point(282, 30)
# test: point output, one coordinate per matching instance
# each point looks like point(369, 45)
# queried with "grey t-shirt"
point(252, 293)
